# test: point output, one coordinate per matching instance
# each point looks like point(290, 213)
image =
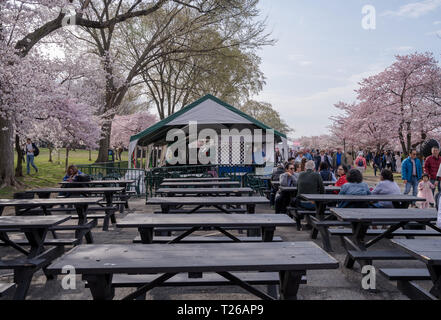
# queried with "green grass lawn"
point(50, 173)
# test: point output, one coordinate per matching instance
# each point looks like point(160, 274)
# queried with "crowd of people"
point(307, 169)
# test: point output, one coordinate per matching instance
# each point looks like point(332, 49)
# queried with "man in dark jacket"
point(431, 167)
point(309, 182)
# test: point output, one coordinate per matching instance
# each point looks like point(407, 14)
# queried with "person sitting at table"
point(325, 173)
point(309, 182)
point(356, 187)
point(72, 173)
point(275, 177)
point(288, 179)
point(386, 186)
point(342, 171)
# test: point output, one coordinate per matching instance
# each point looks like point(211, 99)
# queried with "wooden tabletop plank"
point(206, 200)
point(354, 198)
point(194, 179)
point(327, 188)
point(100, 182)
point(325, 183)
point(203, 220)
point(203, 190)
point(200, 184)
point(77, 190)
point(379, 215)
point(25, 222)
point(47, 202)
point(275, 256)
point(426, 250)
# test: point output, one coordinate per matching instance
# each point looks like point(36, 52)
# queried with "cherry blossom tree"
point(123, 127)
point(401, 105)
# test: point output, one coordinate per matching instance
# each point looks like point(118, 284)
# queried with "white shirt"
point(30, 149)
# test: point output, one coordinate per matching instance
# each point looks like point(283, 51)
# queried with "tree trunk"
point(90, 154)
point(104, 142)
point(20, 157)
point(59, 155)
point(50, 154)
point(7, 154)
point(67, 159)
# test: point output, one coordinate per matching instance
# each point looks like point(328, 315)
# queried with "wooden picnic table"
point(206, 184)
point(429, 252)
point(171, 192)
point(200, 202)
point(98, 263)
point(328, 189)
point(35, 229)
point(94, 183)
point(194, 179)
point(108, 192)
point(362, 219)
point(325, 183)
point(83, 228)
point(321, 200)
point(146, 223)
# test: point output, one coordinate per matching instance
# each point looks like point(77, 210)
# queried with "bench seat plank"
point(202, 239)
point(406, 274)
point(6, 288)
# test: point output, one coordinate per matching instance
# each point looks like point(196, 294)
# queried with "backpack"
point(83, 178)
point(36, 150)
point(360, 163)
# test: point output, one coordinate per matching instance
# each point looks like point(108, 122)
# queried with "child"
point(425, 191)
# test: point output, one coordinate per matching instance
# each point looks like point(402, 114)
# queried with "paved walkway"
point(322, 285)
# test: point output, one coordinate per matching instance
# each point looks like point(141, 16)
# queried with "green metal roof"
point(167, 120)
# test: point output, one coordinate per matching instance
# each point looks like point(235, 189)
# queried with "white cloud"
point(436, 22)
point(300, 59)
point(415, 9)
point(404, 48)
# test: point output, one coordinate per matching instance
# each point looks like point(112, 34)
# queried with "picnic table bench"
point(146, 223)
point(429, 252)
point(172, 192)
point(99, 263)
point(200, 202)
point(108, 192)
point(362, 219)
point(196, 179)
point(205, 184)
point(83, 227)
point(318, 219)
point(35, 229)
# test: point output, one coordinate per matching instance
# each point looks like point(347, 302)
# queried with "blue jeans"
point(413, 183)
point(30, 161)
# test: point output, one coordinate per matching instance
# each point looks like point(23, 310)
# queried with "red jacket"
point(431, 166)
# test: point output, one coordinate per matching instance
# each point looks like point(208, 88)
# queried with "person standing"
point(377, 163)
point(30, 155)
point(398, 162)
point(349, 160)
point(360, 163)
point(425, 190)
point(411, 173)
point(431, 167)
point(338, 159)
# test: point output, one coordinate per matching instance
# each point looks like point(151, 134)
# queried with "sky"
point(323, 50)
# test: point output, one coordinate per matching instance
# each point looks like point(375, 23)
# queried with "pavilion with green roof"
point(210, 113)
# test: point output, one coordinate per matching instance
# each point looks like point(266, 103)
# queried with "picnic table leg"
point(268, 234)
point(82, 220)
point(290, 283)
point(251, 209)
point(146, 235)
point(435, 274)
point(359, 230)
point(22, 277)
point(109, 201)
point(165, 208)
point(100, 286)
